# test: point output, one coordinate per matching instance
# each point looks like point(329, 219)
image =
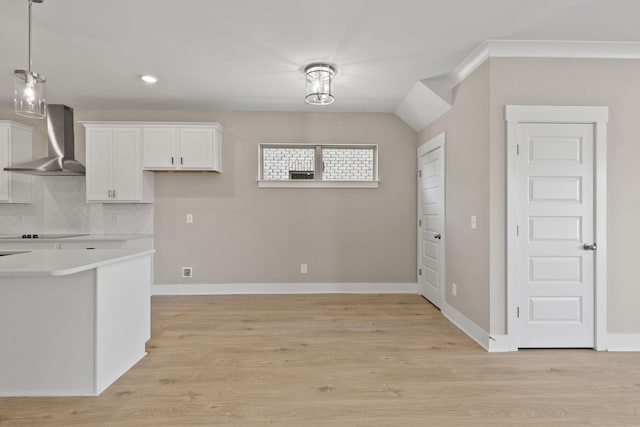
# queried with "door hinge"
point(419, 173)
point(517, 149)
point(419, 223)
point(419, 272)
point(518, 312)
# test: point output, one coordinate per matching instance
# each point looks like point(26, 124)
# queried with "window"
point(288, 165)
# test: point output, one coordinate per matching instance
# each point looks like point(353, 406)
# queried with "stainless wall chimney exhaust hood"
point(60, 161)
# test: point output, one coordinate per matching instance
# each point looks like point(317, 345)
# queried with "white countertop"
point(55, 262)
point(88, 237)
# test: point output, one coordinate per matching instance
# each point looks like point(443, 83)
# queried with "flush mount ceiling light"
point(28, 89)
point(318, 78)
point(148, 78)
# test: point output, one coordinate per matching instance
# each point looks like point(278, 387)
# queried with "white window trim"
point(302, 183)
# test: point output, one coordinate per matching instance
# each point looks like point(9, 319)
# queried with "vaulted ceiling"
point(248, 54)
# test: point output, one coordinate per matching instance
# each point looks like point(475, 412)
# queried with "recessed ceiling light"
point(148, 78)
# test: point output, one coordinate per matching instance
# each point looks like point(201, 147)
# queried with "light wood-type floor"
point(340, 360)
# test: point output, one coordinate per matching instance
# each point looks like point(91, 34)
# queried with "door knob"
point(588, 247)
point(437, 236)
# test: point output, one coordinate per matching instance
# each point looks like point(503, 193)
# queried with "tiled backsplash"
point(59, 206)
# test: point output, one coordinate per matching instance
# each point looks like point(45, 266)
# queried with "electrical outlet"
point(303, 268)
point(454, 289)
point(474, 222)
point(187, 272)
point(189, 218)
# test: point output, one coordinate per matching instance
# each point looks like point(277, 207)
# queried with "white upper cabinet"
point(15, 147)
point(196, 148)
point(128, 177)
point(114, 165)
point(183, 146)
point(160, 148)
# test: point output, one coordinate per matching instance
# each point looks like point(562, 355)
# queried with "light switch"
point(474, 222)
point(189, 218)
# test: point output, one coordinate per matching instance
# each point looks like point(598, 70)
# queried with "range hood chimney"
point(60, 161)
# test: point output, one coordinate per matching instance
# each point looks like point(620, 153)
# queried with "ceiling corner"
point(424, 104)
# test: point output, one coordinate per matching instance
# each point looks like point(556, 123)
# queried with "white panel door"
point(99, 180)
point(431, 220)
point(555, 272)
point(127, 166)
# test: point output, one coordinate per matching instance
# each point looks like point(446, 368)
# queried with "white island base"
point(72, 331)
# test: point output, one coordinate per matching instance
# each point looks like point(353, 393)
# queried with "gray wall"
point(476, 160)
point(467, 193)
point(244, 234)
point(607, 82)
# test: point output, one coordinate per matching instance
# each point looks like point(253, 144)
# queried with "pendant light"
point(318, 83)
point(28, 93)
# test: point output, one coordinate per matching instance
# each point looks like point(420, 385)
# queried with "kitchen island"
point(72, 322)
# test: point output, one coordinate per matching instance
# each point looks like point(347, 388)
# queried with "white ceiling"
point(247, 54)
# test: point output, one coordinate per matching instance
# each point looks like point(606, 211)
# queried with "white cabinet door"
point(114, 166)
point(4, 162)
point(160, 148)
point(15, 147)
point(99, 164)
point(196, 148)
point(127, 167)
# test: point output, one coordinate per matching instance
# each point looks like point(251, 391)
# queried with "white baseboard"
point(614, 342)
point(623, 342)
point(467, 326)
point(284, 288)
point(501, 343)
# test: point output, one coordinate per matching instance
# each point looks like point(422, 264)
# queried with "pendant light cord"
point(29, 65)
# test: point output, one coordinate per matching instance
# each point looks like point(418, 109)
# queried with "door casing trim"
point(597, 116)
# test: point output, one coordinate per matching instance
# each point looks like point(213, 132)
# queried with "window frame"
point(317, 182)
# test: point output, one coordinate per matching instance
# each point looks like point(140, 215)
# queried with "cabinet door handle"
point(172, 160)
point(181, 161)
point(114, 194)
point(110, 194)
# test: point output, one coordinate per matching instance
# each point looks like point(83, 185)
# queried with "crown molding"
point(541, 49)
point(469, 65)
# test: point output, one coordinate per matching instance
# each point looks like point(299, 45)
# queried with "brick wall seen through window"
point(337, 163)
point(278, 163)
point(348, 164)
